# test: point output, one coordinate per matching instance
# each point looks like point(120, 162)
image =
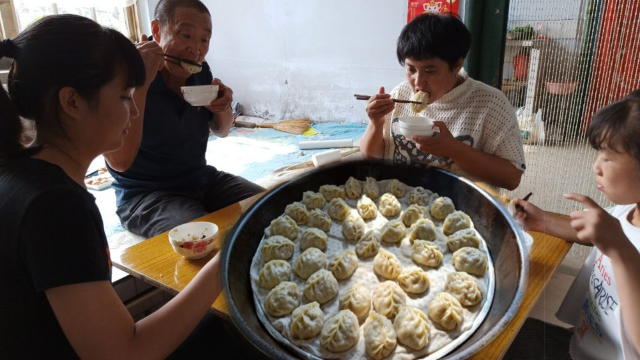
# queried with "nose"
point(133, 110)
point(195, 47)
point(420, 79)
point(596, 167)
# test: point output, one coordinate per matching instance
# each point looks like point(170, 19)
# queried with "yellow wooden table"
point(155, 261)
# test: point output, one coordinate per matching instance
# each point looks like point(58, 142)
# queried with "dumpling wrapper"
point(422, 97)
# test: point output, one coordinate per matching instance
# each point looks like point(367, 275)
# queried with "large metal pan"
point(504, 240)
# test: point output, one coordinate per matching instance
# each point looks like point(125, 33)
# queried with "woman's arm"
point(98, 325)
point(372, 142)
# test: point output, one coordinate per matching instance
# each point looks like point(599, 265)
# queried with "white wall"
point(293, 58)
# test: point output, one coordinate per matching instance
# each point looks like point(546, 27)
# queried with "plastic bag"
point(531, 127)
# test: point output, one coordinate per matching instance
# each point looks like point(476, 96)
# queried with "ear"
point(155, 30)
point(458, 65)
point(70, 102)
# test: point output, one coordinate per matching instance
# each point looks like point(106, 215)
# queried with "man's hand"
point(225, 96)
point(151, 54)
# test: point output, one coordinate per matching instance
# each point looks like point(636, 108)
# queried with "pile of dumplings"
point(371, 269)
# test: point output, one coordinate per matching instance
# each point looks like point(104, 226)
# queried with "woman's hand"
point(530, 216)
point(225, 97)
point(151, 54)
point(378, 107)
point(442, 145)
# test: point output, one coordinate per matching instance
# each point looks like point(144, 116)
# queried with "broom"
point(291, 126)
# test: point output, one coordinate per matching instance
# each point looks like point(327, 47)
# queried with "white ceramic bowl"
point(194, 240)
point(416, 126)
point(199, 95)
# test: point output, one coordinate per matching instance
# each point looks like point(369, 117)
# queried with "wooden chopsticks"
point(367, 97)
point(520, 208)
point(190, 62)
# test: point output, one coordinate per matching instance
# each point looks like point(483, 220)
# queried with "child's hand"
point(531, 217)
point(597, 227)
point(379, 106)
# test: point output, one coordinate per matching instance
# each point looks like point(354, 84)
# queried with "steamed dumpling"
point(420, 196)
point(321, 287)
point(338, 209)
point(389, 205)
point(387, 298)
point(284, 226)
point(412, 327)
point(313, 237)
point(353, 227)
point(340, 332)
point(353, 188)
point(369, 245)
point(442, 207)
point(307, 321)
point(456, 221)
point(343, 265)
point(331, 192)
point(423, 253)
point(463, 238)
point(282, 299)
point(310, 261)
point(423, 229)
point(298, 212)
point(415, 281)
point(357, 299)
point(277, 247)
point(396, 188)
point(367, 208)
point(313, 200)
point(387, 265)
point(379, 336)
point(319, 219)
point(413, 214)
point(371, 188)
point(273, 273)
point(464, 287)
point(393, 231)
point(446, 311)
point(470, 260)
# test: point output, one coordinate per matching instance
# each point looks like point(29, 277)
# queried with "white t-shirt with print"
point(592, 304)
point(475, 113)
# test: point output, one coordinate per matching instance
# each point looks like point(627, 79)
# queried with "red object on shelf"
point(419, 7)
point(520, 67)
point(561, 88)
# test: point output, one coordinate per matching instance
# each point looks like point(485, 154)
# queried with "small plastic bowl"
point(194, 240)
point(199, 95)
point(416, 126)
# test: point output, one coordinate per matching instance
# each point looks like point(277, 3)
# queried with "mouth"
point(599, 187)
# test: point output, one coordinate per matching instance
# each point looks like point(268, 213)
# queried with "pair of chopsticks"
point(178, 60)
point(367, 97)
point(520, 208)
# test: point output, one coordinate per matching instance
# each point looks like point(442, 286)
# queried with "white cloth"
point(475, 113)
point(592, 304)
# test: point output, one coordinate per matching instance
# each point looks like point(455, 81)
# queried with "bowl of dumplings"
point(373, 260)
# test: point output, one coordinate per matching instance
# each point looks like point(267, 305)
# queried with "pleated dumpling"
point(353, 227)
point(387, 298)
point(338, 209)
point(379, 336)
point(463, 238)
point(319, 219)
point(367, 208)
point(423, 229)
point(284, 226)
point(357, 299)
point(470, 260)
point(322, 286)
point(387, 265)
point(371, 188)
point(396, 188)
point(424, 253)
point(313, 237)
point(310, 261)
point(313, 200)
point(282, 299)
point(298, 212)
point(442, 207)
point(413, 213)
point(307, 321)
point(331, 192)
point(393, 231)
point(353, 188)
point(414, 281)
point(389, 205)
point(412, 327)
point(464, 287)
point(277, 247)
point(343, 265)
point(446, 311)
point(273, 273)
point(369, 245)
point(456, 221)
point(341, 332)
point(420, 196)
